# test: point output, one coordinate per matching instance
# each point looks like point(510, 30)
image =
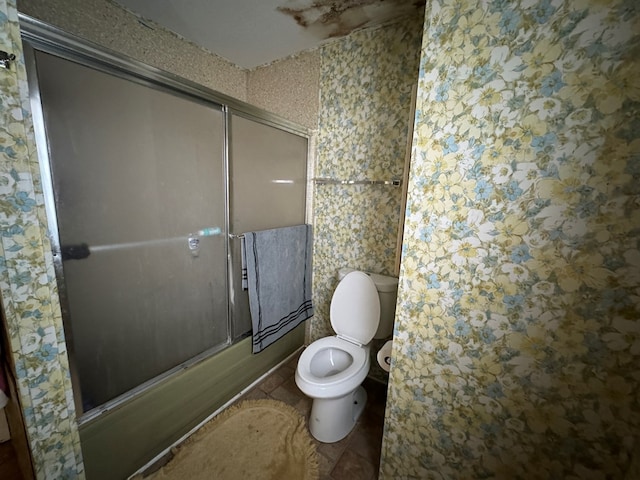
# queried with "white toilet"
point(331, 369)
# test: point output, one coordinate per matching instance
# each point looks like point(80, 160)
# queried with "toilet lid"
point(355, 308)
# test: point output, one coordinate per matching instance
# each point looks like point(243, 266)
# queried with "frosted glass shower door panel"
point(135, 171)
point(268, 169)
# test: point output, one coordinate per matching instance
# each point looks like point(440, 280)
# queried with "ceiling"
point(251, 33)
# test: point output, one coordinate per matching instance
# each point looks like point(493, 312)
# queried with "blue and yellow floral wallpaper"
point(517, 338)
point(366, 82)
point(27, 280)
point(517, 341)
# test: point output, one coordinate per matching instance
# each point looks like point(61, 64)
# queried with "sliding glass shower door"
point(267, 190)
point(137, 172)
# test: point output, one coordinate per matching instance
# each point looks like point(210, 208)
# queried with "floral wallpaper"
point(517, 339)
point(27, 280)
point(365, 98)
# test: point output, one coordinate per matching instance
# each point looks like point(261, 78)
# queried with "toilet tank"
point(387, 292)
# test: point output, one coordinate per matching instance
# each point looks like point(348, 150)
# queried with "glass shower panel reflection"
point(268, 170)
point(135, 171)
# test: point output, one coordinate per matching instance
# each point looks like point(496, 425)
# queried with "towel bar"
point(331, 181)
point(233, 235)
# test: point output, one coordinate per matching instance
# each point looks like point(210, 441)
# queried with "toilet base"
point(332, 419)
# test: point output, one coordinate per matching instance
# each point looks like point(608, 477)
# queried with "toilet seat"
point(355, 308)
point(332, 385)
point(355, 314)
point(358, 355)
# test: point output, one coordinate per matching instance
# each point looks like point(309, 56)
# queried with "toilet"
point(331, 369)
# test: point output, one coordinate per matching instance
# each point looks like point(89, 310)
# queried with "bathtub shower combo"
point(148, 181)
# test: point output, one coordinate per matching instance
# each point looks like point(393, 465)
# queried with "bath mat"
point(256, 439)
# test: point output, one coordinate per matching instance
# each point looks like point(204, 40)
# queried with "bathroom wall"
point(27, 281)
point(111, 26)
point(365, 98)
point(517, 338)
point(288, 87)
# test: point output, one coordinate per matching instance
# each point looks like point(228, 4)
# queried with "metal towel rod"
point(233, 235)
point(332, 181)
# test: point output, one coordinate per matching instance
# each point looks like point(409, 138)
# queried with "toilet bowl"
point(331, 369)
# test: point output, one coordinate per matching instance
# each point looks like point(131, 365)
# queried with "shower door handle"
point(75, 252)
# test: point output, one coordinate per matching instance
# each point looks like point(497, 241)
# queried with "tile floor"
point(357, 457)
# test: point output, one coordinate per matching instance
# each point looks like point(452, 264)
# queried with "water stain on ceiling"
point(250, 33)
point(335, 18)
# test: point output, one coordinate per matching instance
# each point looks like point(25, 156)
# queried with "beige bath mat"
point(257, 439)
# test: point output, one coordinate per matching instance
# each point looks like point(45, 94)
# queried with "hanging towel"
point(279, 280)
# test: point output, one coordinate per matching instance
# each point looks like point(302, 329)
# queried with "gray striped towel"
point(279, 281)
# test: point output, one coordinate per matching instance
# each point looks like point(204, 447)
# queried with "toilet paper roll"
point(384, 356)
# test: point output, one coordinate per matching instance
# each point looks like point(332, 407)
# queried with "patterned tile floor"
point(357, 457)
